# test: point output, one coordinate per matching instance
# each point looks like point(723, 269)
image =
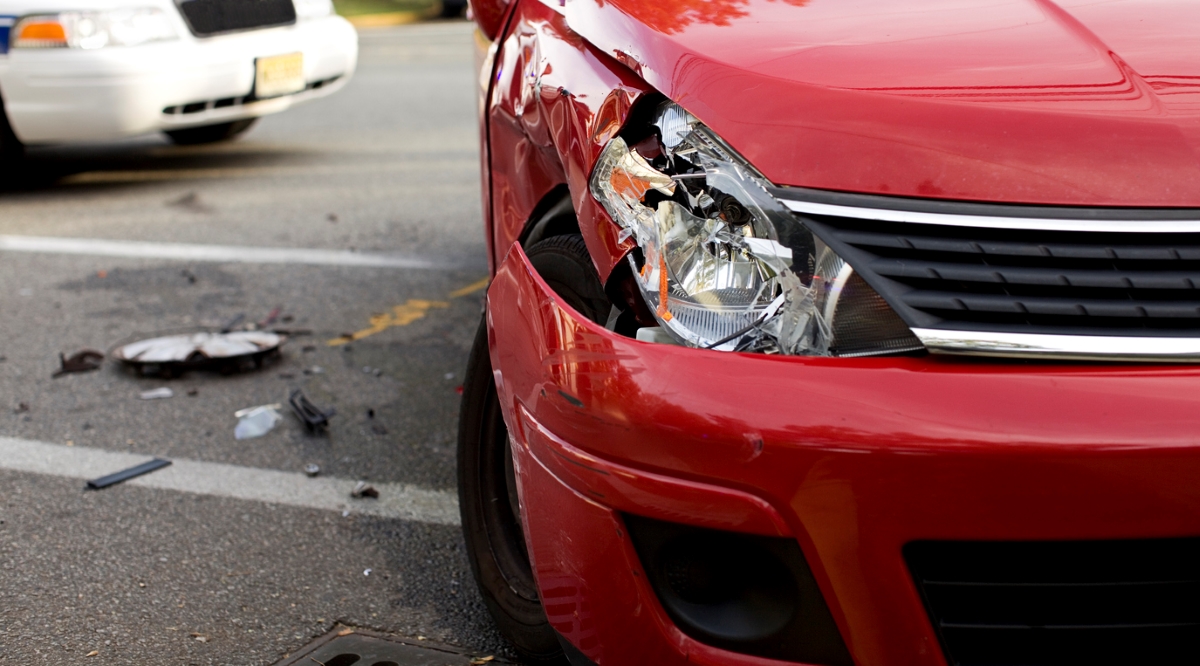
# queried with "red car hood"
point(1077, 102)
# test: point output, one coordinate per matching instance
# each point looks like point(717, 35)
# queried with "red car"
point(839, 332)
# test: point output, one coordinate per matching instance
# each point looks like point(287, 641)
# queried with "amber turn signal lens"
point(40, 34)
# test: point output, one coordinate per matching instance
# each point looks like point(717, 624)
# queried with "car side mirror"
point(488, 15)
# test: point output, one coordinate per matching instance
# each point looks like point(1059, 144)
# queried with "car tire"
point(453, 8)
point(11, 148)
point(194, 136)
point(486, 481)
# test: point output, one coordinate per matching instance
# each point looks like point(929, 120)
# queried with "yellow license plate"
point(278, 75)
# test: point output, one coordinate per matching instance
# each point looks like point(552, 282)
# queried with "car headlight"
point(310, 9)
point(723, 264)
point(93, 30)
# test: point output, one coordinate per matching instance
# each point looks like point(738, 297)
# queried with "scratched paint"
point(403, 315)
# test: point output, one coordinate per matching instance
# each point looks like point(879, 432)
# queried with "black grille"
point(211, 17)
point(1079, 602)
point(1022, 281)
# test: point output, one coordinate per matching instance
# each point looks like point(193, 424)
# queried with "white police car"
point(198, 70)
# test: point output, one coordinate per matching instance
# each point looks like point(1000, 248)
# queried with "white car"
point(198, 70)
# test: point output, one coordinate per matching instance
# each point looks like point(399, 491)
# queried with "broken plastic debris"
point(362, 489)
point(366, 572)
point(256, 421)
point(313, 417)
point(157, 394)
point(126, 474)
point(82, 361)
point(312, 469)
point(173, 353)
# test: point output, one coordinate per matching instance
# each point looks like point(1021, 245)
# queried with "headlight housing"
point(94, 30)
point(723, 264)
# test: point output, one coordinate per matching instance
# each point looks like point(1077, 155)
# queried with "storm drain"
point(352, 647)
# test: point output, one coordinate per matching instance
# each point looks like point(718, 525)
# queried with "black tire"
point(486, 484)
point(453, 8)
point(11, 148)
point(194, 136)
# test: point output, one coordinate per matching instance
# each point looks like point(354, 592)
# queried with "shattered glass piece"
point(675, 124)
point(256, 421)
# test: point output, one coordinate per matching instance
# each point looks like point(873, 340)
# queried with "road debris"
point(256, 421)
point(93, 653)
point(21, 408)
point(314, 370)
point(200, 637)
point(270, 318)
point(362, 489)
point(314, 418)
point(127, 474)
point(82, 361)
point(174, 354)
point(312, 469)
point(233, 323)
point(157, 394)
point(366, 572)
point(193, 392)
point(478, 661)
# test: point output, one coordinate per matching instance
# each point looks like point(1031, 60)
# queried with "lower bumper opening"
point(1062, 602)
point(743, 593)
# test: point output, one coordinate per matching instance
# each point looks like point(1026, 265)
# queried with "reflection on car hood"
point(1025, 101)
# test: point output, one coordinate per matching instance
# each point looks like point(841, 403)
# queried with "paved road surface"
point(232, 555)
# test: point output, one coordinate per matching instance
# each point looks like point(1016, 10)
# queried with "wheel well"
point(553, 216)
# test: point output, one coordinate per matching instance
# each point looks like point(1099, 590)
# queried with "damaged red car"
point(838, 332)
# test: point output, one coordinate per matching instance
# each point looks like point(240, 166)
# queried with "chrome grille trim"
point(1066, 347)
point(994, 222)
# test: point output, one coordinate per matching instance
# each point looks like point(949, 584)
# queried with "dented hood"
point(1077, 102)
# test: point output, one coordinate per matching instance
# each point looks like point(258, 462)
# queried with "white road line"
point(396, 500)
point(215, 253)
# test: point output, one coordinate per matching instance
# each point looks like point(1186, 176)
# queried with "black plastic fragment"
point(127, 474)
point(313, 417)
point(84, 361)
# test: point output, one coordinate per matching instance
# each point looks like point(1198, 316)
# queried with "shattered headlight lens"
point(94, 30)
point(723, 264)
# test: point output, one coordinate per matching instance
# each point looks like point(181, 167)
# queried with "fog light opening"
point(730, 590)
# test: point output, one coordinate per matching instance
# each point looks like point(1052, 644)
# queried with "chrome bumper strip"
point(994, 222)
point(1068, 347)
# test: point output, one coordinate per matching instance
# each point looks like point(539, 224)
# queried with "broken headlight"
point(723, 265)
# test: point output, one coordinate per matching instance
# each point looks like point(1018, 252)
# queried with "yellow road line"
point(471, 288)
point(403, 315)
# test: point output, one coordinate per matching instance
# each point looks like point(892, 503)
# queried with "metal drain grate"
point(340, 648)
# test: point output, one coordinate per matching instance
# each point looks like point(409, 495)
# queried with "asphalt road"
point(203, 569)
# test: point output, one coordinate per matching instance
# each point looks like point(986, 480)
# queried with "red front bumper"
point(852, 457)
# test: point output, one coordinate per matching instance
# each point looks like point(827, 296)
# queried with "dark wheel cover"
point(486, 484)
point(193, 136)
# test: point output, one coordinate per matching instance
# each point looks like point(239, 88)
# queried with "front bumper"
point(854, 458)
point(61, 95)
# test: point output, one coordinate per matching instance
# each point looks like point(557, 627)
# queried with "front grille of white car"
point(192, 108)
point(213, 17)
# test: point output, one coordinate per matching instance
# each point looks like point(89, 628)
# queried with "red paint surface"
point(860, 456)
point(1024, 101)
point(555, 104)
